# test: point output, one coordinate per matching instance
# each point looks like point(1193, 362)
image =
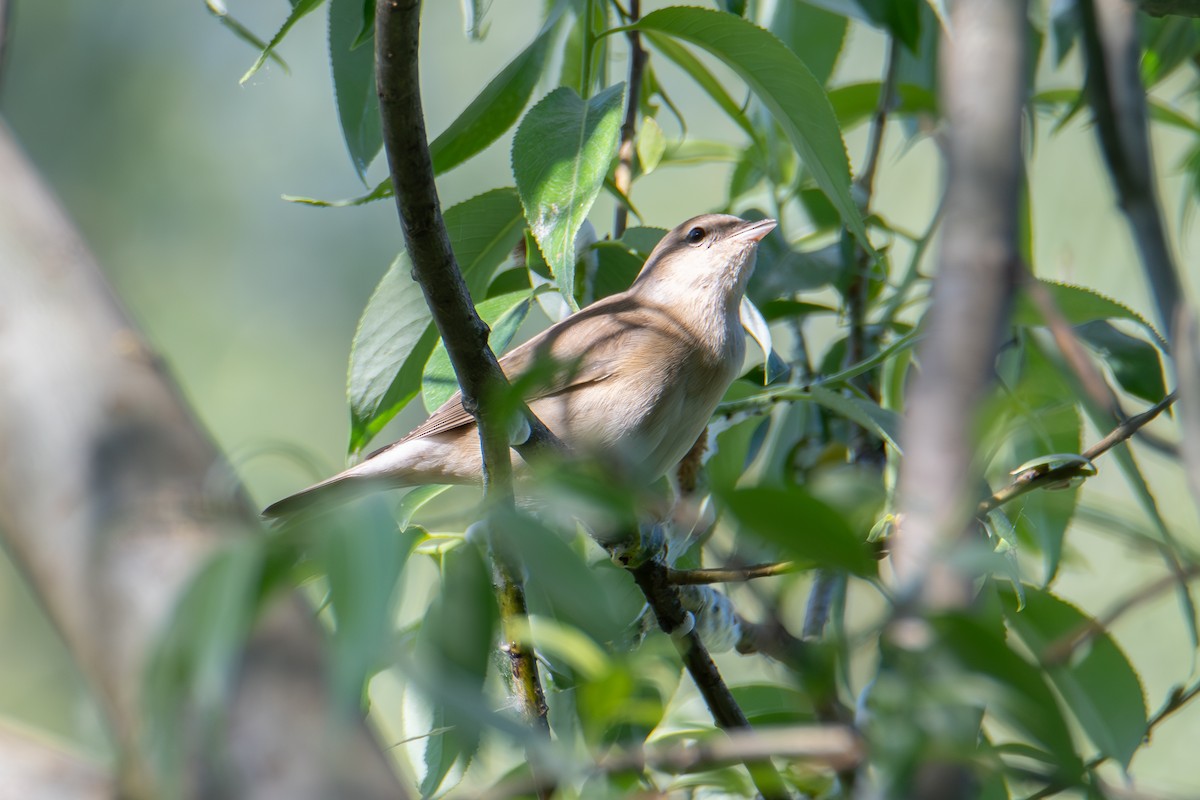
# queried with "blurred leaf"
point(627, 703)
point(473, 12)
point(560, 156)
point(457, 638)
point(1064, 28)
point(856, 103)
point(698, 72)
point(773, 704)
point(354, 84)
point(698, 151)
point(1099, 685)
point(802, 527)
point(504, 315)
point(362, 557)
point(414, 500)
point(1167, 43)
point(733, 454)
point(902, 18)
point(299, 9)
point(651, 144)
point(1134, 363)
point(1024, 701)
point(395, 336)
point(883, 423)
point(815, 35)
point(497, 107)
point(785, 86)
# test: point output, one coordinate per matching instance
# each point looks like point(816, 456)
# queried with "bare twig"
point(694, 577)
point(397, 25)
point(820, 602)
point(1119, 101)
point(663, 598)
point(1060, 650)
point(1029, 481)
point(623, 173)
point(887, 99)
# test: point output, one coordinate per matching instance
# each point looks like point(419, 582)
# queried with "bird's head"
point(710, 255)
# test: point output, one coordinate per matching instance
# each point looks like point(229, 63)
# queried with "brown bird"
point(638, 373)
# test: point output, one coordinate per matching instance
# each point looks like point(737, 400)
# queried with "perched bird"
point(637, 376)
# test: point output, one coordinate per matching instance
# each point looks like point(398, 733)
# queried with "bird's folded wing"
point(585, 349)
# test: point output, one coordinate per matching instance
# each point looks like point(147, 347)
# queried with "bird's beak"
point(754, 231)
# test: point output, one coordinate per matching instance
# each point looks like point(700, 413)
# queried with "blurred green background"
point(174, 173)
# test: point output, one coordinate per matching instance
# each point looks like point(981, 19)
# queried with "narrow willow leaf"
point(504, 314)
point(560, 156)
point(785, 86)
point(299, 10)
point(354, 84)
point(802, 527)
point(855, 103)
point(704, 78)
point(473, 13)
point(218, 10)
point(878, 420)
point(395, 336)
point(496, 108)
point(1100, 687)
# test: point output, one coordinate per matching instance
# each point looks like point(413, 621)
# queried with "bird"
point(636, 375)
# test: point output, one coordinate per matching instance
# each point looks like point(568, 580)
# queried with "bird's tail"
point(335, 491)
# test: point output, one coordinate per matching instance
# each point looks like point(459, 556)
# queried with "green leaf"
point(395, 336)
point(504, 314)
point(704, 78)
point(1079, 305)
point(1100, 687)
point(855, 103)
point(560, 156)
point(802, 527)
point(456, 641)
point(815, 35)
point(241, 31)
point(1134, 363)
point(616, 268)
point(473, 13)
point(784, 85)
point(880, 421)
point(651, 144)
point(299, 10)
point(901, 17)
point(1024, 701)
point(496, 108)
point(362, 556)
point(354, 84)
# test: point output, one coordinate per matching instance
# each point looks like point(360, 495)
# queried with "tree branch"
point(983, 80)
point(106, 506)
point(623, 173)
point(695, 577)
point(1118, 100)
point(397, 34)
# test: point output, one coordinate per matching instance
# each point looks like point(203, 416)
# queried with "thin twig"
point(696, 577)
point(887, 99)
point(623, 173)
point(1029, 481)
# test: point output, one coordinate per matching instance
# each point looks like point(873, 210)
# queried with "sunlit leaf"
point(784, 85)
point(560, 156)
point(812, 33)
point(802, 527)
point(395, 335)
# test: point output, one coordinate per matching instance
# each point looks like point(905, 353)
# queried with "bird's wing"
point(584, 347)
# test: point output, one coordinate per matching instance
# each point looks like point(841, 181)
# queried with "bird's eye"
point(695, 236)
